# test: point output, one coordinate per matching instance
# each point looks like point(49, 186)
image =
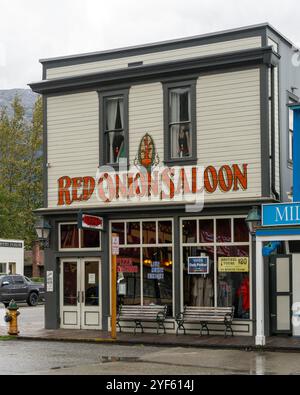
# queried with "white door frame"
point(260, 338)
point(77, 313)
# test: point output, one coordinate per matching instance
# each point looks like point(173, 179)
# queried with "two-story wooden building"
point(214, 106)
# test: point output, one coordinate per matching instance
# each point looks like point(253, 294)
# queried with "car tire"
point(33, 299)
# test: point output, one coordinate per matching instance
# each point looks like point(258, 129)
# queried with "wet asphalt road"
point(56, 358)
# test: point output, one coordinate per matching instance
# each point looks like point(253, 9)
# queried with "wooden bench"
point(205, 316)
point(139, 314)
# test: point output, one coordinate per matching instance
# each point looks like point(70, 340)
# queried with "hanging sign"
point(198, 265)
point(91, 222)
point(233, 264)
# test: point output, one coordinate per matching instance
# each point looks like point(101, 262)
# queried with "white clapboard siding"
point(145, 117)
point(155, 57)
point(229, 129)
point(73, 138)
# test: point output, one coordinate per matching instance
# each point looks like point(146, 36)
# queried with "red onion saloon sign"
point(159, 184)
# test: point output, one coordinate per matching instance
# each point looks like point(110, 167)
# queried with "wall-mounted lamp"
point(253, 220)
point(43, 228)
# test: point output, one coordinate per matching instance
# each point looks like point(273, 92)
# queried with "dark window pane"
point(181, 141)
point(179, 105)
point(18, 279)
point(206, 231)
point(234, 287)
point(90, 238)
point(223, 230)
point(133, 233)
point(118, 227)
point(115, 146)
point(189, 231)
point(149, 232)
point(129, 280)
point(70, 283)
point(164, 232)
point(92, 283)
point(69, 236)
point(157, 276)
point(198, 289)
point(241, 232)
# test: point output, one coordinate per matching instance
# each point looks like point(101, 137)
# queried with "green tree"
point(20, 171)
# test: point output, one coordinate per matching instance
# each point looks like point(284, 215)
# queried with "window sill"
point(181, 162)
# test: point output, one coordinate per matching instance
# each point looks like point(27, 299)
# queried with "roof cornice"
point(264, 55)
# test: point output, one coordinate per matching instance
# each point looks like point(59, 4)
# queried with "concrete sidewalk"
point(31, 324)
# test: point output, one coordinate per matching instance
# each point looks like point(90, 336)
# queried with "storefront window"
point(223, 230)
point(189, 231)
point(69, 236)
point(228, 280)
point(119, 228)
point(145, 271)
point(241, 232)
point(206, 231)
point(133, 233)
point(165, 232)
point(198, 289)
point(149, 232)
point(72, 238)
point(129, 277)
point(157, 276)
point(90, 239)
point(233, 279)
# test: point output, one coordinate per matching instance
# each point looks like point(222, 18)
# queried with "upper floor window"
point(180, 122)
point(114, 133)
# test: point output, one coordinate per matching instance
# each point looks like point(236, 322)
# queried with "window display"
point(228, 281)
point(145, 271)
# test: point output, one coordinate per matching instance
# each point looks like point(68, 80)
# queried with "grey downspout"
point(273, 156)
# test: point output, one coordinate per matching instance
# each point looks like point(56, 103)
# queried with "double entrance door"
point(80, 293)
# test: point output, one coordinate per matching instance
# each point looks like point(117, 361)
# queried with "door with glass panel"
point(80, 291)
point(281, 295)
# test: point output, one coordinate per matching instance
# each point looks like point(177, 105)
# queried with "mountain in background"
point(28, 99)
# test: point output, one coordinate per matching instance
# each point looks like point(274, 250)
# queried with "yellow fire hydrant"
point(11, 317)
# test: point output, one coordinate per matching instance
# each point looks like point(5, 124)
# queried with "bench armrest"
point(228, 317)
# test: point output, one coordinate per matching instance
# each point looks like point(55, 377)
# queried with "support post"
point(260, 339)
point(115, 247)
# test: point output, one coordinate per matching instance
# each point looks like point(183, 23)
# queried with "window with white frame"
point(145, 262)
point(226, 243)
point(72, 238)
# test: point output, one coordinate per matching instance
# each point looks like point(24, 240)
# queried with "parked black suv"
point(21, 289)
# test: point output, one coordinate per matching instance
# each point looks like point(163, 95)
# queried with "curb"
point(242, 347)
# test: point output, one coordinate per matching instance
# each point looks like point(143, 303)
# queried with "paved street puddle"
point(106, 359)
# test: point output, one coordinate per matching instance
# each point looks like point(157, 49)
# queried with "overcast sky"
point(34, 29)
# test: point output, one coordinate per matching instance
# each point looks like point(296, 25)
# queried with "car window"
point(6, 279)
point(28, 279)
point(18, 279)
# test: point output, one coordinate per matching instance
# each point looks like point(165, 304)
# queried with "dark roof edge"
point(159, 44)
point(263, 54)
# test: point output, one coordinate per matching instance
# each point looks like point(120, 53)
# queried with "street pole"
point(115, 252)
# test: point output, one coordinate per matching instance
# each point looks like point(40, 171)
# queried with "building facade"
point(213, 107)
point(11, 256)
